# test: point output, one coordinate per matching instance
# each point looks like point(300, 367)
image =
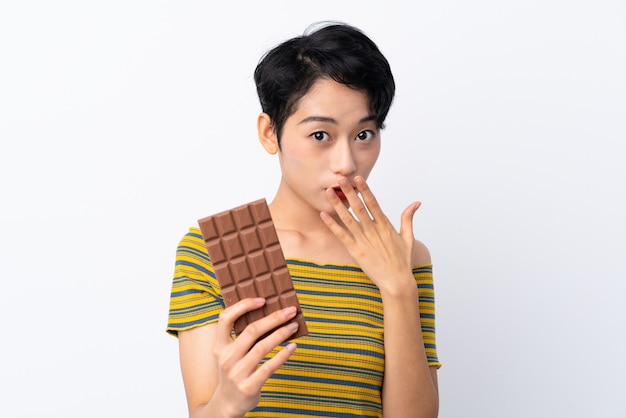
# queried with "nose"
point(342, 159)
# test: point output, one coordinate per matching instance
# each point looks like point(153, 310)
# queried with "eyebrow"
point(331, 120)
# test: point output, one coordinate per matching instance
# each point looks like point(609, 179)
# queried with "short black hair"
point(332, 50)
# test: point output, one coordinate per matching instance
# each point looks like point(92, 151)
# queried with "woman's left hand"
point(383, 253)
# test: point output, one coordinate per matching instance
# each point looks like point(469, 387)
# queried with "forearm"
point(408, 389)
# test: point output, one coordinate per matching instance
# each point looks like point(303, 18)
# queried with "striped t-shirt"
point(337, 369)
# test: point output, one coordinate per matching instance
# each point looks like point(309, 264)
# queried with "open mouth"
point(339, 193)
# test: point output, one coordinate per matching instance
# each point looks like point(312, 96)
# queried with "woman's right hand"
point(229, 383)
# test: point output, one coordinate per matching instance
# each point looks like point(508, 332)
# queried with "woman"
point(365, 289)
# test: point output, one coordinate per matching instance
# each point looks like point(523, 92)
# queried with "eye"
point(365, 135)
point(320, 136)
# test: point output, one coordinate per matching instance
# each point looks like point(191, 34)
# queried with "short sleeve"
point(425, 285)
point(195, 298)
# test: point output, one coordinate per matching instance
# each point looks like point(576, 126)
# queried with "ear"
point(267, 134)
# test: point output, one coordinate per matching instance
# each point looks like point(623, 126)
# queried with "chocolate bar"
point(248, 261)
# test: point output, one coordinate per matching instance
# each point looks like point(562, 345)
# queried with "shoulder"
point(192, 248)
point(421, 254)
point(192, 237)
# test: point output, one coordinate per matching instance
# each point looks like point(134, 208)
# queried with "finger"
point(358, 208)
point(274, 339)
point(346, 218)
point(269, 367)
point(257, 329)
point(251, 359)
point(341, 233)
point(228, 316)
point(370, 201)
point(406, 222)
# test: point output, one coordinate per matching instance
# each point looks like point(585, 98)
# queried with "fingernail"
point(292, 326)
point(289, 311)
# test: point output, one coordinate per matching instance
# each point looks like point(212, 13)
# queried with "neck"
point(303, 234)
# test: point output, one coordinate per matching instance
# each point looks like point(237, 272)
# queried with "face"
point(332, 134)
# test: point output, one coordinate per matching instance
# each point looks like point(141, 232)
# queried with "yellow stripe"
point(339, 366)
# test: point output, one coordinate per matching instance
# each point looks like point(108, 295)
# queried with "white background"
point(123, 122)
